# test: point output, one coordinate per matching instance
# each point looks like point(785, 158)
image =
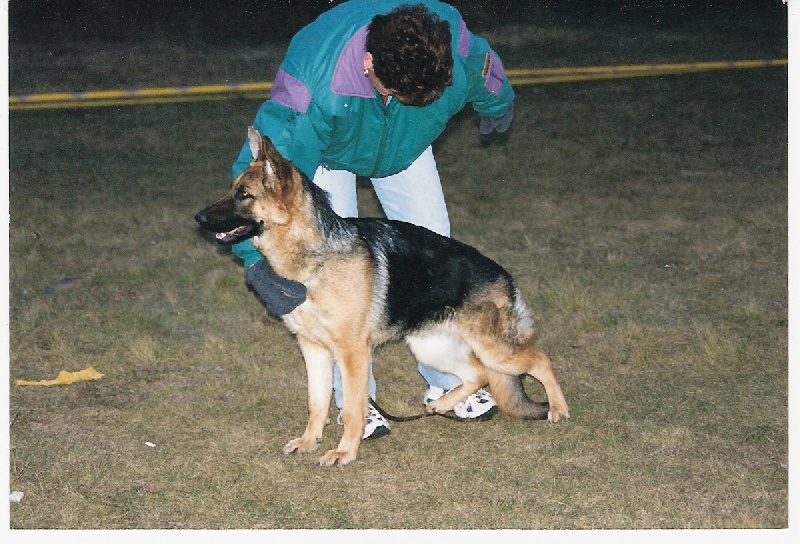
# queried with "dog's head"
point(260, 196)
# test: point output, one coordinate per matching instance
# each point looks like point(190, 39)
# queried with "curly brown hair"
point(411, 53)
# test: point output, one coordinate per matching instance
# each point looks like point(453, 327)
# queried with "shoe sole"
point(486, 416)
point(378, 432)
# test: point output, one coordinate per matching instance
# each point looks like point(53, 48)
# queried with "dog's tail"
point(512, 399)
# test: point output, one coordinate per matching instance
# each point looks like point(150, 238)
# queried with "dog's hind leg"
point(515, 360)
point(354, 365)
point(499, 329)
point(541, 368)
point(319, 367)
point(510, 395)
point(526, 359)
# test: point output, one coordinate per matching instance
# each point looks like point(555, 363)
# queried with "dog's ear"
point(275, 164)
point(281, 167)
point(258, 148)
point(254, 140)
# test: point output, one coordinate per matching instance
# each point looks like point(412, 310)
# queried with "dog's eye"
point(242, 194)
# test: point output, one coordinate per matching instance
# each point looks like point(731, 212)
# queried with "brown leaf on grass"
point(64, 378)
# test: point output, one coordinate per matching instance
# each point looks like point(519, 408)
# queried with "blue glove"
point(499, 124)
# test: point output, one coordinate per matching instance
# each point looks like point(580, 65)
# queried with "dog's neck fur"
point(314, 231)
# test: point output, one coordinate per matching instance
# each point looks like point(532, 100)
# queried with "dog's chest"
point(309, 322)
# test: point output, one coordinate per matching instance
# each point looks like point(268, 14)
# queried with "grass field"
point(644, 219)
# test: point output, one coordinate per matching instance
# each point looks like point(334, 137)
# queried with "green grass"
point(645, 221)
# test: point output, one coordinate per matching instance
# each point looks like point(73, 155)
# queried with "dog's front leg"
point(354, 365)
point(319, 367)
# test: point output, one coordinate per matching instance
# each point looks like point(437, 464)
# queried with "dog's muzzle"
point(227, 231)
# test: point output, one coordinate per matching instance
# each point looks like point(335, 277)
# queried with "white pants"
point(413, 195)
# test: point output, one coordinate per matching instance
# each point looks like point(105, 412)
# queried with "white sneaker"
point(479, 406)
point(376, 426)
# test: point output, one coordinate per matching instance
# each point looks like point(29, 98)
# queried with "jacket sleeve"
point(293, 122)
point(490, 91)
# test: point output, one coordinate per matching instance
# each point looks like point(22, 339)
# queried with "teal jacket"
point(323, 110)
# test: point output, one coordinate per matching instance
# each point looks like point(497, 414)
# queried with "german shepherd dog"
point(370, 281)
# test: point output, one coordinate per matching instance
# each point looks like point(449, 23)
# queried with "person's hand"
point(499, 124)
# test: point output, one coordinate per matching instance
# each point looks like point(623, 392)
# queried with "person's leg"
point(341, 188)
point(443, 381)
point(415, 195)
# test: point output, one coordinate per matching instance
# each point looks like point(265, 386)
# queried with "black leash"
point(403, 419)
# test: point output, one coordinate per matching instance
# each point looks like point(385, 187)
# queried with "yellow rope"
point(683, 67)
point(538, 76)
point(139, 93)
point(118, 102)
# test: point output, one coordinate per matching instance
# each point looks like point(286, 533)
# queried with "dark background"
point(51, 22)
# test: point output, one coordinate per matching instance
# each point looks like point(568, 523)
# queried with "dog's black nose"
point(201, 217)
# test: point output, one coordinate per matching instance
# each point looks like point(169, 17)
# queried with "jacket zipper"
point(382, 141)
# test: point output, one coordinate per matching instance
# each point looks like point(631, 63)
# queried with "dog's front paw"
point(301, 445)
point(337, 458)
point(557, 414)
